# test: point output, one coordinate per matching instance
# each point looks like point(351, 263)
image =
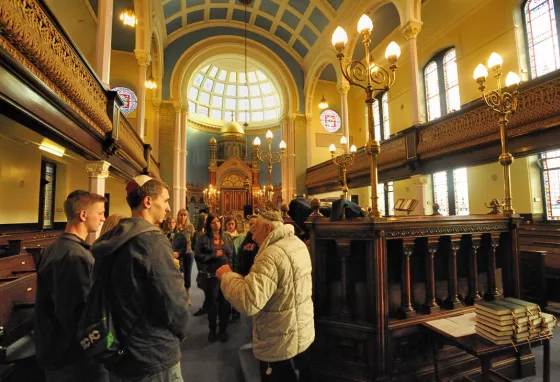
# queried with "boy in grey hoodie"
point(149, 297)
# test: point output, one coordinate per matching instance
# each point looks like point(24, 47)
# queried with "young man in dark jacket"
point(150, 300)
point(63, 283)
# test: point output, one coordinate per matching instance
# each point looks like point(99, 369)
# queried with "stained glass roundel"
point(330, 121)
point(129, 99)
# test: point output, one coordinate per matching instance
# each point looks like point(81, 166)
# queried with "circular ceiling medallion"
point(129, 99)
point(330, 121)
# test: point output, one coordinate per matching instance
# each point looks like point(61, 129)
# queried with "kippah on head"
point(273, 216)
point(136, 183)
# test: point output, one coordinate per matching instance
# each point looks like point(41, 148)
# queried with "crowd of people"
point(148, 259)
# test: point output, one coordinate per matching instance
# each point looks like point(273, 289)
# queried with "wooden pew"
point(16, 244)
point(543, 237)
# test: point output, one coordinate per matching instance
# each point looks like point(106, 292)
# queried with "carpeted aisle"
point(217, 362)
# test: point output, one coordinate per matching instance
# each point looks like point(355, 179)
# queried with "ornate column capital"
point(411, 29)
point(343, 87)
point(178, 106)
point(98, 169)
point(143, 57)
point(420, 180)
point(156, 103)
point(308, 118)
point(185, 110)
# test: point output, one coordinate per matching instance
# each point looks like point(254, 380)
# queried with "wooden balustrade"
point(376, 281)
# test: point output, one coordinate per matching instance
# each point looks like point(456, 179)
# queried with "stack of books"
point(512, 321)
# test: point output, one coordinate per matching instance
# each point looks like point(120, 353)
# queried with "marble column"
point(343, 89)
point(177, 159)
point(421, 184)
point(97, 171)
point(143, 62)
point(103, 40)
point(410, 32)
point(156, 103)
point(184, 153)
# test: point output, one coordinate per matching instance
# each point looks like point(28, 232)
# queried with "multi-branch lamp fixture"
point(343, 161)
point(270, 157)
point(370, 77)
point(504, 102)
point(323, 104)
point(128, 16)
point(211, 197)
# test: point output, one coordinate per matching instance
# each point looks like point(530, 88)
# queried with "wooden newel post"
point(492, 293)
point(406, 310)
point(453, 301)
point(431, 306)
point(473, 295)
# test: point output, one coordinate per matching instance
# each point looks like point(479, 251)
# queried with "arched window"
point(381, 116)
point(451, 191)
point(541, 32)
point(550, 165)
point(224, 94)
point(442, 85)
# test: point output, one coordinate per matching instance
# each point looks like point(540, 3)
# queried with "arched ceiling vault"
point(296, 25)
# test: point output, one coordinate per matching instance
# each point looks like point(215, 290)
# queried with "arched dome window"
point(221, 91)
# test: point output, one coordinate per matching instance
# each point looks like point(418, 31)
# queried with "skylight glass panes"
point(216, 114)
point(217, 102)
point(219, 88)
point(256, 103)
point(208, 84)
point(198, 79)
point(220, 94)
point(204, 98)
point(230, 103)
point(213, 72)
point(255, 90)
point(231, 90)
point(266, 88)
point(193, 93)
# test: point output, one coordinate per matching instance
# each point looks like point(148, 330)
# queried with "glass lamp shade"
point(352, 149)
point(332, 148)
point(343, 140)
point(393, 50)
point(128, 18)
point(495, 60)
point(365, 24)
point(151, 83)
point(512, 79)
point(282, 145)
point(339, 37)
point(323, 104)
point(269, 134)
point(480, 72)
point(257, 141)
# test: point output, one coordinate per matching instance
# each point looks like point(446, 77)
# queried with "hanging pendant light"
point(323, 104)
point(151, 82)
point(128, 17)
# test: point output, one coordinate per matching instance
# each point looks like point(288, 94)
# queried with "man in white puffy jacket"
point(277, 294)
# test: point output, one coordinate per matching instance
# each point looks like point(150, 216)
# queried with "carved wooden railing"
point(376, 282)
point(32, 39)
point(469, 136)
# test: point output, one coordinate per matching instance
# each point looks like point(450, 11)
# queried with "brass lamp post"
point(343, 161)
point(271, 157)
point(370, 77)
point(504, 102)
point(211, 198)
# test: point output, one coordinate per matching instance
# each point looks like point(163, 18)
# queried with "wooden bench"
point(17, 245)
point(543, 237)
